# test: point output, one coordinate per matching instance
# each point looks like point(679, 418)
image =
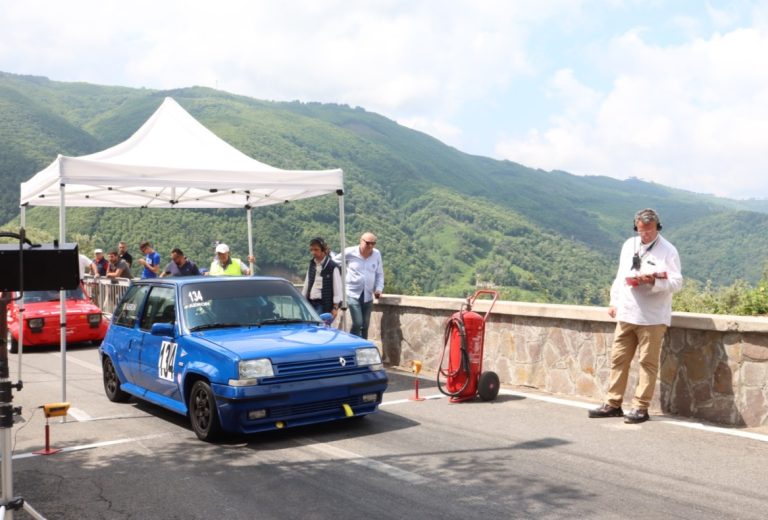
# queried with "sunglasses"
point(369, 243)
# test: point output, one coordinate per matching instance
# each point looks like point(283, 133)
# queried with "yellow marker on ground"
point(348, 410)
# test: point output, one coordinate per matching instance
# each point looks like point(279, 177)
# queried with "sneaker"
point(636, 415)
point(606, 411)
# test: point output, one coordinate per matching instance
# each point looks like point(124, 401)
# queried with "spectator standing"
point(99, 264)
point(365, 281)
point(151, 260)
point(322, 284)
point(118, 268)
point(85, 264)
point(180, 265)
point(123, 254)
point(641, 301)
point(225, 265)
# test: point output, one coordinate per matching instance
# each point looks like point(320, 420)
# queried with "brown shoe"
point(636, 415)
point(606, 411)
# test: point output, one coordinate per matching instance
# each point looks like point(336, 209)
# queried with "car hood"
point(286, 343)
point(43, 309)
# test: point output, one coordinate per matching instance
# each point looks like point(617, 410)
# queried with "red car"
point(42, 314)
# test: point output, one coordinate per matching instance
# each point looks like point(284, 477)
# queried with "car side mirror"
point(327, 318)
point(162, 329)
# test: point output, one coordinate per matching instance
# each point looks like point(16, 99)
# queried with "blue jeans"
point(361, 316)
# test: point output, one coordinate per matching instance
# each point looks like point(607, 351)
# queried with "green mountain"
point(446, 220)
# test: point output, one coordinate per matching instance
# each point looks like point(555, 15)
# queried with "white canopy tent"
point(172, 161)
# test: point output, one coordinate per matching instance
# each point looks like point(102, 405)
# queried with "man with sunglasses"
point(365, 281)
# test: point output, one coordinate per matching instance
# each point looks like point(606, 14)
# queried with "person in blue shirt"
point(365, 281)
point(151, 261)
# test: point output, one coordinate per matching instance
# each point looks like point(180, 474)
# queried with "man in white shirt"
point(641, 301)
point(365, 281)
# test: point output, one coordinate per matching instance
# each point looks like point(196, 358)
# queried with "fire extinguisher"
point(464, 342)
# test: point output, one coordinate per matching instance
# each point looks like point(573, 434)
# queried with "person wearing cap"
point(99, 265)
point(225, 265)
point(151, 260)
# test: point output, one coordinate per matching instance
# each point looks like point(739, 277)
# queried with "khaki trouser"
point(627, 340)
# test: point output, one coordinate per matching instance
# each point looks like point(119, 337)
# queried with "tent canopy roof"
point(173, 161)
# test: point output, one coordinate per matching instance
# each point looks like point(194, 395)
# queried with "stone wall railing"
point(713, 367)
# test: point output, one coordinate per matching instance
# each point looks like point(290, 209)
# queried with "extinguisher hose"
point(464, 363)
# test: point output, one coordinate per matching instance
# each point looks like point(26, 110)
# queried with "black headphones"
point(647, 215)
point(320, 242)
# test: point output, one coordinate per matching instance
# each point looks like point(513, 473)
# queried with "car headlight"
point(368, 356)
point(36, 324)
point(249, 371)
point(94, 319)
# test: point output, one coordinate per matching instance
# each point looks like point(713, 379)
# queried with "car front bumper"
point(300, 402)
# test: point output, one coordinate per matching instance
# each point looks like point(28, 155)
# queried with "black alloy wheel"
point(112, 382)
point(203, 413)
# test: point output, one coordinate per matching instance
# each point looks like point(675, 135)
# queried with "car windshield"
point(245, 303)
point(52, 296)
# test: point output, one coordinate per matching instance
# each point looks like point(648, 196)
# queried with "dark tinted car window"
point(249, 302)
point(128, 309)
point(160, 307)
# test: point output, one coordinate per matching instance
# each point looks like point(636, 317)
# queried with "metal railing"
point(106, 292)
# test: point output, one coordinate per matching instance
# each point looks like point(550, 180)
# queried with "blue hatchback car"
point(236, 354)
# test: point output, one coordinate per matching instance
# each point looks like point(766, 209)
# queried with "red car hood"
point(44, 309)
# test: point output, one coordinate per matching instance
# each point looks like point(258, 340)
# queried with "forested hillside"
point(446, 220)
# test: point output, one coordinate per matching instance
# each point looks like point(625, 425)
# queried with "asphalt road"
point(517, 457)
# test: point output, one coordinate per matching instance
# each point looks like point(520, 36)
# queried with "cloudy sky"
point(671, 91)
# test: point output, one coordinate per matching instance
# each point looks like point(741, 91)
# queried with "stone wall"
point(712, 367)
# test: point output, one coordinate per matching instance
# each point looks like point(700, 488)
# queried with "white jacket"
point(647, 304)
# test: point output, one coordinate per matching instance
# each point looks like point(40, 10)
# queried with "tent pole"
point(343, 245)
point(23, 222)
point(63, 297)
point(250, 238)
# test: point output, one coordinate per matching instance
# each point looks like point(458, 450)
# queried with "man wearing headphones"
point(641, 301)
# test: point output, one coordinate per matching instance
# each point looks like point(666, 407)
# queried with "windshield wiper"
point(272, 321)
point(215, 326)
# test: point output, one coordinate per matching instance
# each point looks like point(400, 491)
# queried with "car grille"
point(321, 407)
point(314, 369)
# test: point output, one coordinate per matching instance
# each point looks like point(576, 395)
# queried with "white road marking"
point(355, 458)
point(79, 415)
point(586, 406)
point(88, 418)
point(675, 422)
point(401, 401)
point(94, 445)
point(74, 360)
point(716, 429)
point(548, 399)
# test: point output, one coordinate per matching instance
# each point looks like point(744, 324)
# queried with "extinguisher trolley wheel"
point(488, 386)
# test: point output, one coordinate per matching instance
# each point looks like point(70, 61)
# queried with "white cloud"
point(442, 130)
point(412, 61)
point(693, 116)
